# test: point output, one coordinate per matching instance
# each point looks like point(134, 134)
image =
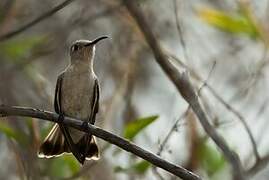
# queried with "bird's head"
point(84, 50)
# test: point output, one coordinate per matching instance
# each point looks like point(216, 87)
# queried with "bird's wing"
point(64, 129)
point(57, 97)
point(95, 101)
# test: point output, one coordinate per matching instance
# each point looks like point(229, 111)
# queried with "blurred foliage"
point(131, 130)
point(239, 23)
point(210, 159)
point(140, 167)
point(23, 51)
point(134, 127)
point(44, 130)
point(16, 49)
point(11, 133)
point(64, 166)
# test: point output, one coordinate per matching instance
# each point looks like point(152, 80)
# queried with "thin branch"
point(175, 125)
point(184, 114)
point(35, 21)
point(259, 165)
point(105, 135)
point(179, 29)
point(184, 86)
point(225, 104)
point(167, 137)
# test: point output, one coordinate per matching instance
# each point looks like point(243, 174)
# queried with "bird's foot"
point(85, 125)
point(61, 118)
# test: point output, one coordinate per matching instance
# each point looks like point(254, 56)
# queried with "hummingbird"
point(76, 95)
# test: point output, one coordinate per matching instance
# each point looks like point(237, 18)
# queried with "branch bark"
point(185, 88)
point(107, 136)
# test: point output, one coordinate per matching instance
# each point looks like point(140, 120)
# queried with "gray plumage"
point(76, 95)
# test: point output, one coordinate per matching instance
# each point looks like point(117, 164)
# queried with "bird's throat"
point(82, 64)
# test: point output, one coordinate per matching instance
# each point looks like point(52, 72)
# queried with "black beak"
point(97, 40)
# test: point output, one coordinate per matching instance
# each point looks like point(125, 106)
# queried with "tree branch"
point(107, 136)
point(259, 165)
point(225, 104)
point(184, 86)
point(35, 21)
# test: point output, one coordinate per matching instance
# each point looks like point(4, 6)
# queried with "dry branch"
point(225, 104)
point(107, 136)
point(184, 86)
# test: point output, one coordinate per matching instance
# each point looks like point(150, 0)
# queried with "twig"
point(180, 33)
point(225, 104)
point(105, 135)
point(263, 161)
point(165, 140)
point(179, 29)
point(162, 145)
point(258, 166)
point(35, 21)
point(184, 86)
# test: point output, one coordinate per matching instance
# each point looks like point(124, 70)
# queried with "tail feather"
point(54, 144)
point(91, 152)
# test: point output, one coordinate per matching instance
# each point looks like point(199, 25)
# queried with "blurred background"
point(222, 43)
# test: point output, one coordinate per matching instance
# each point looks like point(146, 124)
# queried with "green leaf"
point(58, 168)
point(134, 127)
point(72, 163)
point(64, 166)
point(210, 158)
point(10, 132)
point(119, 169)
point(140, 167)
point(19, 48)
point(236, 24)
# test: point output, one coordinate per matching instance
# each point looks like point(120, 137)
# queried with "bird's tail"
point(87, 146)
point(55, 145)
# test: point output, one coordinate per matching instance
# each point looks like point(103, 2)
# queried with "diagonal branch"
point(105, 135)
point(185, 88)
point(225, 104)
point(36, 20)
point(258, 166)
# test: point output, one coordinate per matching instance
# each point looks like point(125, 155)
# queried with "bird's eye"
point(74, 48)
